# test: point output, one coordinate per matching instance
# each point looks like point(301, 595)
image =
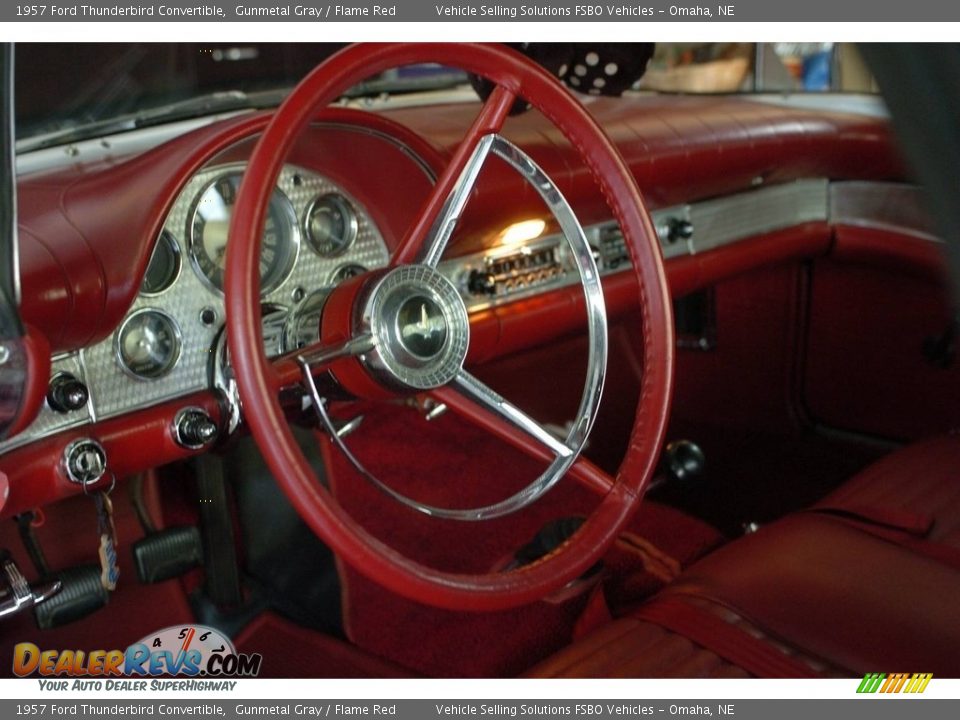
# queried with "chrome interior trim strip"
point(12, 140)
point(897, 207)
point(716, 223)
point(720, 222)
point(854, 103)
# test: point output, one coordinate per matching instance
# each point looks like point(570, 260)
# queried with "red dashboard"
point(87, 230)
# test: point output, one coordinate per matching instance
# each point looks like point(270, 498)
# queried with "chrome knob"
point(679, 229)
point(193, 428)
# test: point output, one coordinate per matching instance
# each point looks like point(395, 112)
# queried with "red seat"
point(840, 590)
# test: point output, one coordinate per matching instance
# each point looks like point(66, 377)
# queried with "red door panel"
point(866, 367)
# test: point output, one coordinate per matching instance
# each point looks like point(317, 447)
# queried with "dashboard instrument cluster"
point(171, 341)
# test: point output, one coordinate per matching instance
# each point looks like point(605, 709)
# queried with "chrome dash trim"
point(897, 207)
point(725, 220)
point(716, 223)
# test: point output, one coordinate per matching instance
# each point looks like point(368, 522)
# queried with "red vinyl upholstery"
point(819, 587)
point(923, 479)
point(629, 647)
point(638, 646)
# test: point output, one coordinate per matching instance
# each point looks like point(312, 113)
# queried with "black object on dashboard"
point(66, 393)
point(591, 68)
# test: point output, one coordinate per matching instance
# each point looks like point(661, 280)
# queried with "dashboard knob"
point(679, 229)
point(684, 460)
point(481, 283)
point(66, 393)
point(193, 428)
point(85, 461)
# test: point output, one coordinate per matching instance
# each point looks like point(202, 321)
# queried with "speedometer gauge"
point(210, 225)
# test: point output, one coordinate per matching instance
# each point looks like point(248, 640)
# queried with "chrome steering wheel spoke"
point(442, 229)
point(478, 392)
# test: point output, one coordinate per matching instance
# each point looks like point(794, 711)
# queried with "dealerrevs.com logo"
point(181, 650)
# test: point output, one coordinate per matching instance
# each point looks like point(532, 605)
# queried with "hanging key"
point(107, 531)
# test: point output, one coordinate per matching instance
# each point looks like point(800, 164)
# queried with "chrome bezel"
point(171, 241)
point(351, 229)
point(175, 428)
point(118, 353)
point(65, 461)
point(290, 242)
point(391, 359)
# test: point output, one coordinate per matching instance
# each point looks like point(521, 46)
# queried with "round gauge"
point(331, 225)
point(164, 266)
point(346, 272)
point(148, 344)
point(211, 223)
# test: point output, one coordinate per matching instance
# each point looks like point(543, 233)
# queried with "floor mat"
point(449, 462)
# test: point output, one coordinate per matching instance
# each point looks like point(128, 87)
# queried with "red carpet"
point(449, 462)
point(290, 651)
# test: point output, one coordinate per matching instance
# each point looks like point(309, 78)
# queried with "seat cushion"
point(922, 478)
point(848, 597)
point(649, 644)
point(819, 587)
point(630, 647)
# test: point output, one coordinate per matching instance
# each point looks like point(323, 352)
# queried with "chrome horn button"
point(419, 326)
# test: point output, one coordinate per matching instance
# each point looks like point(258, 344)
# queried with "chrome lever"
point(429, 408)
point(20, 596)
point(346, 428)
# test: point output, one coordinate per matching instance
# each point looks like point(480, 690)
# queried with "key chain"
point(109, 570)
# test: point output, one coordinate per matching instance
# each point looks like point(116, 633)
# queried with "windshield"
point(68, 86)
point(70, 92)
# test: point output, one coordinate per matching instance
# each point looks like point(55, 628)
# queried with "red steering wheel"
point(342, 343)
